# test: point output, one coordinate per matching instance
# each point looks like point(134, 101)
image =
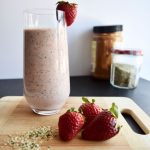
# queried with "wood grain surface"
point(16, 117)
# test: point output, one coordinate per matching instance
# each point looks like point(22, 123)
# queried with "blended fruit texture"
point(46, 70)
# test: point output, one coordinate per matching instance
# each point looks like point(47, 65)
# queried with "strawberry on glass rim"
point(70, 10)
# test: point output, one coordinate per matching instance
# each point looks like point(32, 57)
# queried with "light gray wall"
point(133, 14)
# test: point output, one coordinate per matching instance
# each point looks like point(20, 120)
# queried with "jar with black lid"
point(105, 38)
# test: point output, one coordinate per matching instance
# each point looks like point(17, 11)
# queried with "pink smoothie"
point(46, 70)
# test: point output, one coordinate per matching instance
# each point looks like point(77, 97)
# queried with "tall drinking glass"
point(46, 69)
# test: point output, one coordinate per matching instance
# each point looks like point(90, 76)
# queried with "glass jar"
point(125, 68)
point(105, 38)
point(46, 61)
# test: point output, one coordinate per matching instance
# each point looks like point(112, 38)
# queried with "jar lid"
point(107, 29)
point(128, 52)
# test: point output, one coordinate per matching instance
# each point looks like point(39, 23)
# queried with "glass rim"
point(42, 11)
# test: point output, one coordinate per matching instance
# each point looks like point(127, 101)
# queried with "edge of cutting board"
point(125, 105)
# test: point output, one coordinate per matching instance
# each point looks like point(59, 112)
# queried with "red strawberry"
point(70, 124)
point(89, 109)
point(70, 10)
point(103, 127)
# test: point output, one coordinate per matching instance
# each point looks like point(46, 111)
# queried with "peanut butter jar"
point(105, 38)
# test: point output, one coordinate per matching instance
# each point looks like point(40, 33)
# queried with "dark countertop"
point(87, 86)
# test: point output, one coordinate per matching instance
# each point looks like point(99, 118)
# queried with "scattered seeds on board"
point(32, 139)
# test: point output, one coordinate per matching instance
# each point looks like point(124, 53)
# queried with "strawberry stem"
point(114, 110)
point(93, 100)
point(85, 100)
point(72, 109)
point(80, 111)
point(119, 127)
point(65, 2)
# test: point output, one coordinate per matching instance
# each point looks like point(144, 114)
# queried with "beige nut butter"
point(105, 38)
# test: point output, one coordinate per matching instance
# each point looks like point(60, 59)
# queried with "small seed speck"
point(32, 139)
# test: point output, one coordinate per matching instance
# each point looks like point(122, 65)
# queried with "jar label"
point(93, 47)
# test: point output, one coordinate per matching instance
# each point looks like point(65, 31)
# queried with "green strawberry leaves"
point(85, 100)
point(72, 109)
point(114, 110)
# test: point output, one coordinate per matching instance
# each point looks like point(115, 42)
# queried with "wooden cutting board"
point(16, 118)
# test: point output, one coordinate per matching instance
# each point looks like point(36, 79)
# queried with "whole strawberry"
point(70, 124)
point(103, 127)
point(70, 10)
point(89, 109)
